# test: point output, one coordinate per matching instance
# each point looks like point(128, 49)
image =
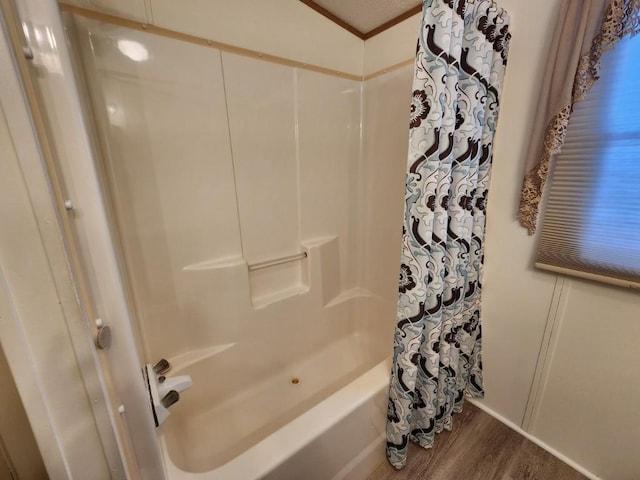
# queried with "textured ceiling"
point(365, 15)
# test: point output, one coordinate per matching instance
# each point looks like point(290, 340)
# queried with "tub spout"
point(178, 383)
point(163, 391)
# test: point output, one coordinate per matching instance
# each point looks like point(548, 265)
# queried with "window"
point(591, 225)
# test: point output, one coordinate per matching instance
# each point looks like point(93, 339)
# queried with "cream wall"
point(588, 406)
point(560, 355)
point(514, 328)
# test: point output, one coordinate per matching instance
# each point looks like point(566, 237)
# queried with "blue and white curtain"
point(460, 65)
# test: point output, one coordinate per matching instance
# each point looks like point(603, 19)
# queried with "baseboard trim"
point(535, 440)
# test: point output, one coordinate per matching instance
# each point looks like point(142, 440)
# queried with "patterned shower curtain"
point(460, 64)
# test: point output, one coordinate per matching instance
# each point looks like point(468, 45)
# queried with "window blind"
point(591, 223)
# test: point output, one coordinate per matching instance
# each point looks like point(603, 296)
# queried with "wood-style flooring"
point(478, 448)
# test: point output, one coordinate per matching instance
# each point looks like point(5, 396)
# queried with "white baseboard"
point(535, 440)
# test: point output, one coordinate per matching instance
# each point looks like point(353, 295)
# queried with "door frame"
point(56, 162)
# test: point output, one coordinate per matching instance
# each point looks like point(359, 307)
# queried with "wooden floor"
point(478, 448)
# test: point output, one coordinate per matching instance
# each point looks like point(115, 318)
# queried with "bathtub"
point(320, 416)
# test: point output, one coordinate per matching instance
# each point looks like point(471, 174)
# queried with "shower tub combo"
point(249, 258)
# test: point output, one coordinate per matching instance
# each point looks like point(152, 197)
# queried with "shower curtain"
point(459, 68)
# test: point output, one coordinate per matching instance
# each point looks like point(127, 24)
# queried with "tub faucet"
point(164, 391)
point(178, 384)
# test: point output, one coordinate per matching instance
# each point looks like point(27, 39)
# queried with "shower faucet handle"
point(170, 398)
point(161, 367)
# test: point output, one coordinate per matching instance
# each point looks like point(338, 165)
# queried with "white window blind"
point(591, 225)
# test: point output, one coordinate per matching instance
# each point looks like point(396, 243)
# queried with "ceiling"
point(365, 18)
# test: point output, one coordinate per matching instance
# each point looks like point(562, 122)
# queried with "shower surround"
point(259, 226)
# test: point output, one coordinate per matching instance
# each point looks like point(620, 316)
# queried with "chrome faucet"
point(175, 384)
point(164, 391)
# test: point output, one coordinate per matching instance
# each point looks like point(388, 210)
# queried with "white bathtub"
point(329, 425)
point(341, 438)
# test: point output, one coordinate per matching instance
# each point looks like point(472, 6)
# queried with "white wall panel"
point(163, 120)
point(260, 99)
point(386, 139)
point(589, 408)
point(329, 147)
